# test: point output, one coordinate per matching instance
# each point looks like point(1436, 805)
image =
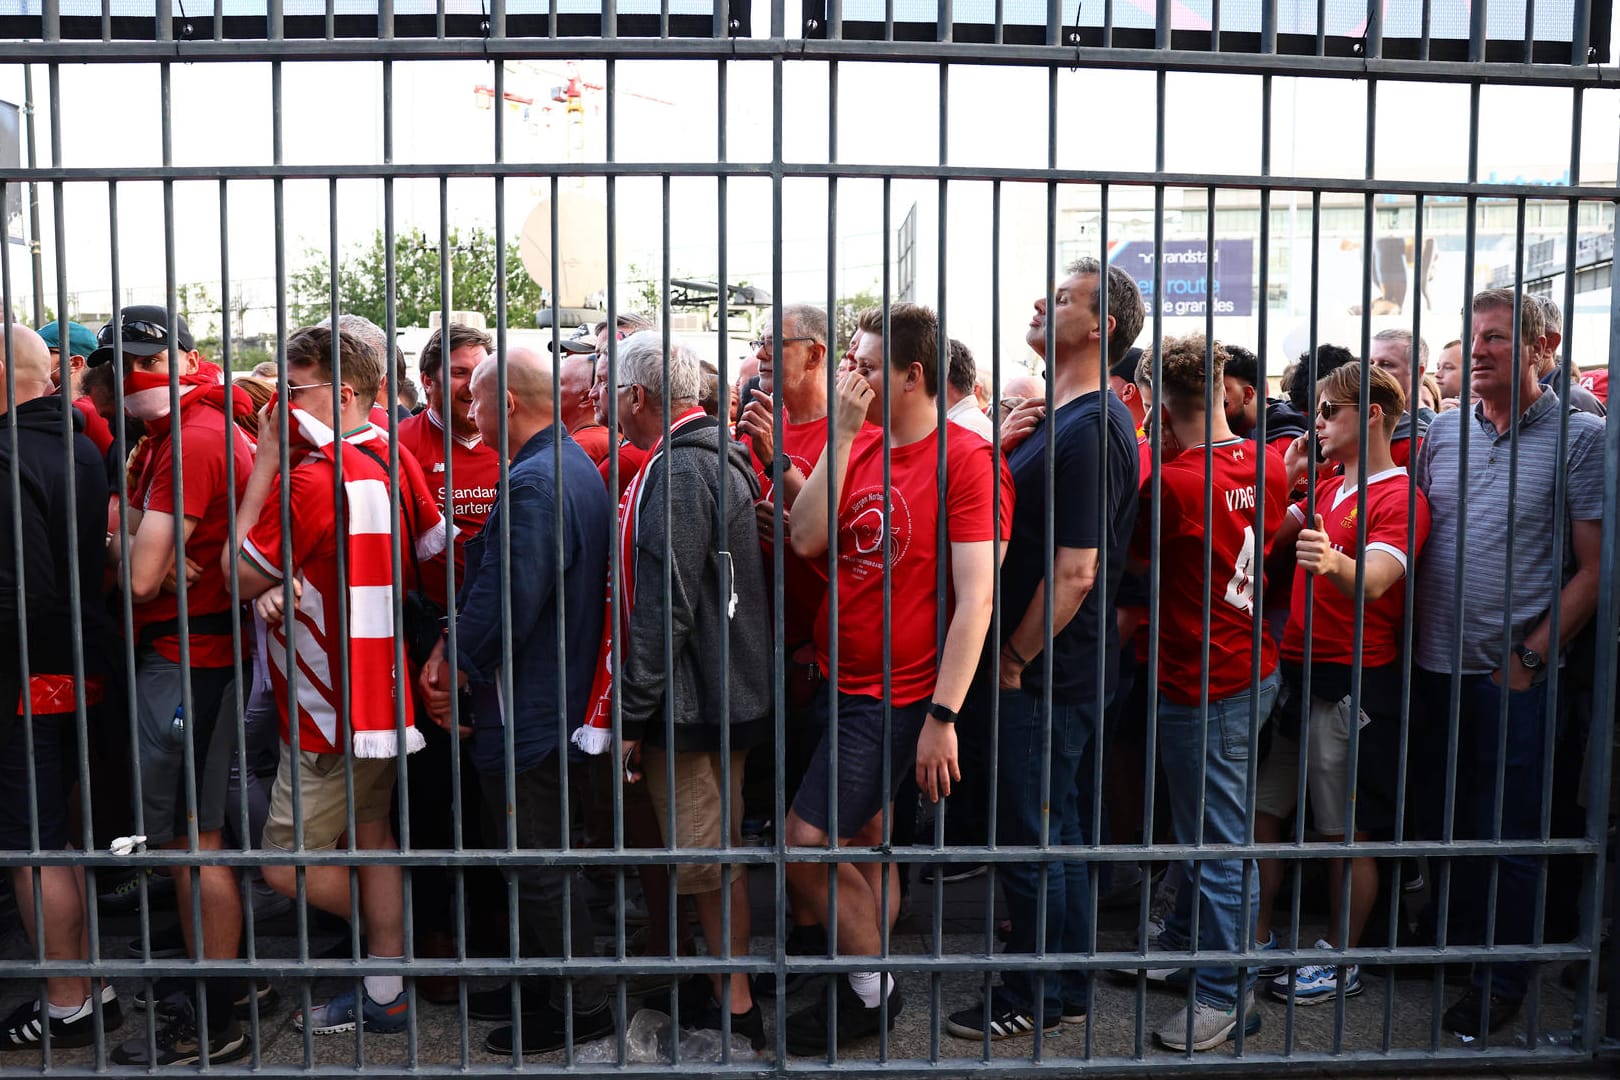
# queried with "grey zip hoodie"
point(717, 587)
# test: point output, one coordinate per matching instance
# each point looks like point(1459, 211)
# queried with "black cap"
point(145, 333)
point(1126, 368)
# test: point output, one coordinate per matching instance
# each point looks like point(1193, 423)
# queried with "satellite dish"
point(582, 240)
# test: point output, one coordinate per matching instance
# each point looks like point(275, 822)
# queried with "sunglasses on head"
point(134, 330)
point(1327, 409)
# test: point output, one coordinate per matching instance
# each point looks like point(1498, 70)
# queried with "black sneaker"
point(496, 1004)
point(949, 872)
point(23, 1029)
point(123, 896)
point(166, 943)
point(1005, 1021)
point(543, 1030)
point(179, 1044)
point(801, 941)
point(259, 988)
point(809, 1029)
point(750, 1025)
point(695, 998)
point(1463, 1017)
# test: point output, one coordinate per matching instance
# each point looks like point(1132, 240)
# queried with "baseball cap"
point(579, 342)
point(81, 339)
point(1126, 368)
point(145, 331)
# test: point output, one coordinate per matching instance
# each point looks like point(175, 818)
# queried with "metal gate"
point(1126, 144)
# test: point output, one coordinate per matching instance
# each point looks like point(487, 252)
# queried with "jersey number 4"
point(1240, 590)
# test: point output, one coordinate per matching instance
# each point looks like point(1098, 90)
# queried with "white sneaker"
point(1211, 1026)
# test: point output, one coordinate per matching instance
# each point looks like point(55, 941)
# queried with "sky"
point(888, 114)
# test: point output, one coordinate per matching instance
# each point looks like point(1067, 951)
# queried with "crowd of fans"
point(350, 585)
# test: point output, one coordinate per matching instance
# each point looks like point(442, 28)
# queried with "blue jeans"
point(1478, 729)
point(1020, 815)
point(1224, 768)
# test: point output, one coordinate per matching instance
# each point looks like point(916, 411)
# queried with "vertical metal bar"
point(942, 367)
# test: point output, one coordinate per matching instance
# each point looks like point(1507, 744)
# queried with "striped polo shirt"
point(1490, 586)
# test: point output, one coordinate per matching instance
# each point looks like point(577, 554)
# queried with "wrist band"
point(1009, 650)
point(941, 713)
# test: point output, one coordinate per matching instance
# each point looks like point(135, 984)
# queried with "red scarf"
point(368, 700)
point(596, 735)
point(146, 394)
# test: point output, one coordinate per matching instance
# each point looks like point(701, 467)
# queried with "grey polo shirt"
point(1538, 571)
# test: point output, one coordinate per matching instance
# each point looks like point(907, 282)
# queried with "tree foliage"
point(362, 280)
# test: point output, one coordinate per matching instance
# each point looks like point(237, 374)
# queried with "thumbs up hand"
point(1314, 552)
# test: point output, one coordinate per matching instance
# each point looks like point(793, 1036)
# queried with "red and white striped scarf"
point(369, 697)
point(595, 736)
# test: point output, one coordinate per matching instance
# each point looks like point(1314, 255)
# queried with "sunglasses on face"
point(134, 330)
point(1328, 409)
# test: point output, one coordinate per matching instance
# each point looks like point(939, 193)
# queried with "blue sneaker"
point(340, 1014)
point(1315, 984)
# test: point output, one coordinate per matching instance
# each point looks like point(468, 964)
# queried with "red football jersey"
point(804, 581)
point(1237, 554)
point(913, 559)
point(1333, 622)
point(208, 490)
point(594, 440)
point(630, 461)
point(476, 470)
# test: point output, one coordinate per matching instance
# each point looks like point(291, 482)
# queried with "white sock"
point(62, 1012)
point(384, 988)
point(870, 986)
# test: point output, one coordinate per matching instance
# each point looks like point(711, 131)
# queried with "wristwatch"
point(1531, 659)
point(783, 462)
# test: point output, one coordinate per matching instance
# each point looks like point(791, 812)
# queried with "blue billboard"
point(1187, 280)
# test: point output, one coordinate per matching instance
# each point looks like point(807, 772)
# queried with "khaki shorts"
point(697, 810)
point(324, 801)
point(1327, 776)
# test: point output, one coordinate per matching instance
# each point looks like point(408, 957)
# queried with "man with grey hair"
point(1394, 351)
point(541, 538)
point(1547, 360)
point(676, 712)
point(1460, 634)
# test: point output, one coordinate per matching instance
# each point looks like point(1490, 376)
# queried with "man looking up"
point(1092, 522)
point(927, 685)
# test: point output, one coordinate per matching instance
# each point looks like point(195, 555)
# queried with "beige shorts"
point(323, 798)
point(697, 810)
point(1327, 777)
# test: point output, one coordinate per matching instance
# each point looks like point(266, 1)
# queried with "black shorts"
point(861, 791)
point(55, 770)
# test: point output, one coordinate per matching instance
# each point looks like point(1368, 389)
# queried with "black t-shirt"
point(1085, 515)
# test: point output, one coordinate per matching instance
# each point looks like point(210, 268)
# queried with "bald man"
point(528, 506)
point(48, 521)
point(578, 412)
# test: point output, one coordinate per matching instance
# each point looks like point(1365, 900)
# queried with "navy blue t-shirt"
point(1085, 515)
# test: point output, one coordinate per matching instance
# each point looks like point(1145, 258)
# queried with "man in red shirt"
point(800, 376)
point(190, 477)
point(344, 702)
point(1216, 474)
point(1330, 550)
point(576, 409)
point(888, 532)
point(474, 468)
point(81, 343)
point(623, 450)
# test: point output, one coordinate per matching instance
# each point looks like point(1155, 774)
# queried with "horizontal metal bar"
point(480, 170)
point(748, 856)
point(1301, 1063)
point(929, 52)
point(477, 967)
